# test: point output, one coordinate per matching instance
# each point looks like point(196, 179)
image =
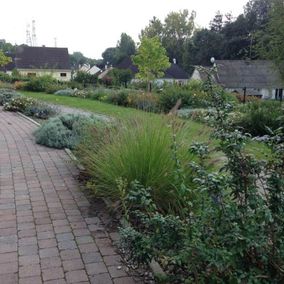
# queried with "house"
point(38, 61)
point(257, 78)
point(173, 74)
point(90, 70)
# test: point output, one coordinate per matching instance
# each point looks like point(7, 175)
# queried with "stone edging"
point(28, 118)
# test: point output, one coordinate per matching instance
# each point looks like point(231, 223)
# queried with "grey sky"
point(90, 26)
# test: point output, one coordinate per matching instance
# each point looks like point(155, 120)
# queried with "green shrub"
point(39, 84)
point(40, 110)
point(65, 131)
point(191, 95)
point(144, 101)
point(6, 95)
point(117, 98)
point(52, 88)
point(4, 77)
point(140, 149)
point(20, 104)
point(257, 116)
point(65, 92)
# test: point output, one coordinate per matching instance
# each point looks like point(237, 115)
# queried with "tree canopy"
point(125, 47)
point(151, 59)
point(4, 60)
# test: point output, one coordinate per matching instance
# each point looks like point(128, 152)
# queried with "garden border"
point(28, 118)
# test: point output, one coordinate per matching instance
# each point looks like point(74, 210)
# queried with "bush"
point(40, 110)
point(65, 131)
point(4, 77)
point(191, 95)
point(117, 98)
point(20, 104)
point(144, 101)
point(136, 150)
point(257, 116)
point(65, 92)
point(39, 84)
point(6, 95)
point(85, 78)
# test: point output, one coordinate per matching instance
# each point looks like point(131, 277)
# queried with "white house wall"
point(41, 72)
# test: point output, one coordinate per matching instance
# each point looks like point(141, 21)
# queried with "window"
point(31, 74)
point(63, 75)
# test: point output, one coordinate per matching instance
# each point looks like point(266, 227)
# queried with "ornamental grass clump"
point(65, 131)
point(139, 149)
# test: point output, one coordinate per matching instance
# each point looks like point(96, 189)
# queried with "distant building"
point(94, 70)
point(257, 78)
point(173, 74)
point(39, 61)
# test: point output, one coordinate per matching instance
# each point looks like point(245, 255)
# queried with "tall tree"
point(270, 41)
point(125, 47)
point(77, 59)
point(110, 56)
point(4, 60)
point(216, 24)
point(177, 29)
point(155, 28)
point(151, 60)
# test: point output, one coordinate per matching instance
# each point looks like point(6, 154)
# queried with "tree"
point(270, 41)
point(155, 28)
point(201, 47)
point(110, 56)
point(4, 60)
point(121, 76)
point(77, 59)
point(85, 78)
point(216, 24)
point(173, 33)
point(151, 60)
point(125, 47)
point(177, 29)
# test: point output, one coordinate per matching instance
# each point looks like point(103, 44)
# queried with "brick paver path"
point(45, 234)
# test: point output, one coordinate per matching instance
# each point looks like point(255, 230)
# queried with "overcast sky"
point(90, 26)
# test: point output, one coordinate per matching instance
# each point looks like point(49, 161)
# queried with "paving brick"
point(76, 276)
point(112, 260)
point(73, 264)
point(96, 268)
point(101, 279)
point(29, 270)
point(52, 273)
point(8, 257)
point(30, 280)
point(28, 259)
point(48, 252)
point(49, 262)
point(85, 248)
point(9, 278)
point(115, 272)
point(124, 280)
point(92, 257)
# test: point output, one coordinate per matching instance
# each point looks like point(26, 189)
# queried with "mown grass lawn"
point(197, 131)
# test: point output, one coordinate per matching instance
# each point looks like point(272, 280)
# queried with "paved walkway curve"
point(45, 233)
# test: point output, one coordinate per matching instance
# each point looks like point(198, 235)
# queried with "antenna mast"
point(28, 36)
point(34, 40)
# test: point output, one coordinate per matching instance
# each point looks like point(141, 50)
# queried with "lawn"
point(198, 132)
point(86, 104)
